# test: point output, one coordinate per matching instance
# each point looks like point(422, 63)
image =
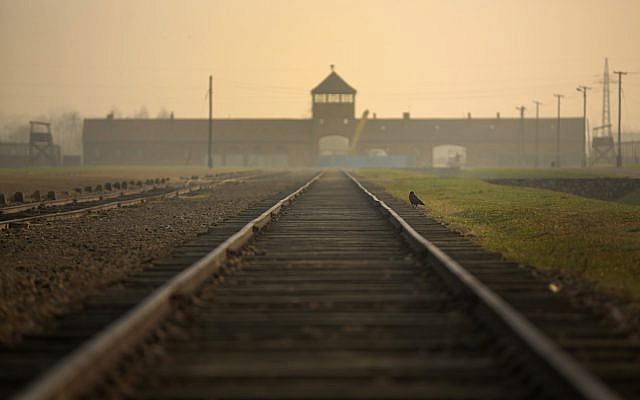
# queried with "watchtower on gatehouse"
point(333, 114)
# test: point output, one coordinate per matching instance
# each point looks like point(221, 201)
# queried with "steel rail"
point(73, 374)
point(75, 199)
point(571, 374)
point(88, 210)
point(113, 204)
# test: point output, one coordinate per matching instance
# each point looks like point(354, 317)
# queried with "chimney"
point(468, 115)
point(498, 115)
point(375, 116)
point(406, 115)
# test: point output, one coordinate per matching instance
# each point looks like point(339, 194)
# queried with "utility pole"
point(210, 147)
point(619, 158)
point(557, 164)
point(584, 89)
point(538, 104)
point(522, 109)
point(606, 103)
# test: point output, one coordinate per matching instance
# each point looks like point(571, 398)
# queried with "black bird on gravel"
point(415, 201)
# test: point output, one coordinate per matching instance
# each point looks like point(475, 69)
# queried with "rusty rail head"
point(72, 375)
point(576, 379)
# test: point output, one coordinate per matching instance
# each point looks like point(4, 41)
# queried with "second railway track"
point(340, 298)
point(70, 208)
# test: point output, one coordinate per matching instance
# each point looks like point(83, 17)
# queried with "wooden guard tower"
point(42, 151)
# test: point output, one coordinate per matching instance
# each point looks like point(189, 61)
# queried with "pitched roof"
point(333, 84)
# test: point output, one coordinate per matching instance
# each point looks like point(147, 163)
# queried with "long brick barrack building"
point(335, 136)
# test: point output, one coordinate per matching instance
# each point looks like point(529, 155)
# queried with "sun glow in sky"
point(432, 58)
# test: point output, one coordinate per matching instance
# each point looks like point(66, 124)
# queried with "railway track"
point(38, 352)
point(339, 297)
point(17, 216)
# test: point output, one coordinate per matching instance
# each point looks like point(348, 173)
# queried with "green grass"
point(632, 198)
point(592, 239)
point(531, 173)
point(541, 173)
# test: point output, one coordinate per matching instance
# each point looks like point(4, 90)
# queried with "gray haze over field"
point(432, 58)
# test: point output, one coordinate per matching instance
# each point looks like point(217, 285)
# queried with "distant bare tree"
point(14, 128)
point(67, 131)
point(19, 134)
point(142, 113)
point(164, 114)
point(114, 113)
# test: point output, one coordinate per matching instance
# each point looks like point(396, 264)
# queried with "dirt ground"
point(46, 268)
point(28, 180)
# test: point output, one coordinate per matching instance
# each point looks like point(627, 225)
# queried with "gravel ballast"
point(47, 269)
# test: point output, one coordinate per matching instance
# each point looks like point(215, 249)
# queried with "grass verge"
point(533, 173)
point(591, 239)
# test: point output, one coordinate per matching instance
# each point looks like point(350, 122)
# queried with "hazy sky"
point(433, 58)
